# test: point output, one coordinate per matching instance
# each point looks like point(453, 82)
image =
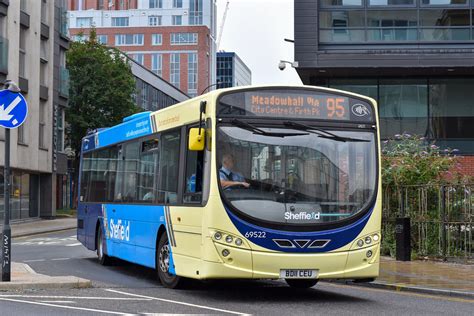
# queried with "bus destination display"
point(329, 107)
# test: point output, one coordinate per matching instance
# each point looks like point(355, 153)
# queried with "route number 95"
point(255, 234)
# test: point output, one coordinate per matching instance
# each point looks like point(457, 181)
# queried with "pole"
point(6, 236)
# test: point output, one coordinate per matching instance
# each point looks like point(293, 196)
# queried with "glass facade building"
point(415, 57)
point(232, 71)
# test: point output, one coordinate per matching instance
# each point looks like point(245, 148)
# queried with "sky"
point(255, 29)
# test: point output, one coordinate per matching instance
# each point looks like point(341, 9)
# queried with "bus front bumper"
point(244, 263)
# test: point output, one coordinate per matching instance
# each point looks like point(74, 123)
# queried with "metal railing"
point(64, 81)
point(442, 219)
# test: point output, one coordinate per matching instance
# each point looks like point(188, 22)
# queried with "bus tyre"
point(301, 283)
point(163, 253)
point(103, 258)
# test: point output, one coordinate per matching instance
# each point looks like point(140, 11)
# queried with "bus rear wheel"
point(163, 254)
point(301, 283)
point(101, 256)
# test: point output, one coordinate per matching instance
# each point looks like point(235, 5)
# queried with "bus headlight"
point(368, 240)
point(229, 239)
point(238, 242)
point(360, 243)
point(375, 237)
point(369, 253)
point(217, 236)
point(225, 252)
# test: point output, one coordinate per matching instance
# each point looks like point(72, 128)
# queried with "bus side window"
point(168, 168)
point(130, 170)
point(194, 175)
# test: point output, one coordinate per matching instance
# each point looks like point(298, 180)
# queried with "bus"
point(258, 182)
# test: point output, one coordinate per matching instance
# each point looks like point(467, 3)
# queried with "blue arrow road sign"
point(13, 109)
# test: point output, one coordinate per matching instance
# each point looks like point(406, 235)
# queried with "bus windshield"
point(285, 175)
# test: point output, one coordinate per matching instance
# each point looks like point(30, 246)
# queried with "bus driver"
point(228, 177)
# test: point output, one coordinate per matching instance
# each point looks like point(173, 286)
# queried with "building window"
point(154, 4)
point(139, 58)
point(21, 134)
point(391, 2)
point(60, 130)
point(81, 38)
point(123, 4)
point(120, 21)
point(42, 125)
point(128, 39)
point(195, 12)
point(44, 50)
point(154, 20)
point(341, 3)
point(83, 22)
point(43, 73)
point(102, 39)
point(177, 20)
point(177, 3)
point(192, 74)
point(44, 12)
point(157, 64)
point(156, 39)
point(175, 69)
point(444, 2)
point(22, 51)
point(144, 95)
point(184, 38)
point(100, 4)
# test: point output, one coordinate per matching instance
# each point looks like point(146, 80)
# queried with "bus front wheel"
point(103, 258)
point(163, 254)
point(301, 283)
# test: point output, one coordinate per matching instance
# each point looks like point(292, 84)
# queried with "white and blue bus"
point(261, 182)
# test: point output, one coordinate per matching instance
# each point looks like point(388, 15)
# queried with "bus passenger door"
point(187, 219)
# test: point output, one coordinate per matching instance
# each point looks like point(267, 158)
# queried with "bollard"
point(403, 239)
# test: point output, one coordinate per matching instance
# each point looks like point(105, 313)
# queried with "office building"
point(153, 92)
point(33, 44)
point(232, 71)
point(173, 38)
point(415, 57)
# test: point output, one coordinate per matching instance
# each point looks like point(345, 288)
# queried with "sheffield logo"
point(121, 230)
point(360, 110)
point(302, 215)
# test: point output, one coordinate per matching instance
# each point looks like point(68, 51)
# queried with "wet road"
point(126, 288)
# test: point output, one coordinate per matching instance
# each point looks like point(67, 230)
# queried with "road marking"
point(34, 260)
point(177, 302)
point(76, 297)
point(66, 307)
point(73, 245)
point(60, 259)
point(64, 302)
point(436, 297)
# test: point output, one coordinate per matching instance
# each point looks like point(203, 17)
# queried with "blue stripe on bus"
point(130, 230)
point(338, 237)
point(129, 130)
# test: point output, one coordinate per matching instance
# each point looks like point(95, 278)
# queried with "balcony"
point(3, 55)
point(64, 82)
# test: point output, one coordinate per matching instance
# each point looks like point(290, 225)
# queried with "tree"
point(101, 89)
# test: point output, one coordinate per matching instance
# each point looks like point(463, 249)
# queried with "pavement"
point(439, 278)
point(42, 226)
point(423, 276)
point(23, 276)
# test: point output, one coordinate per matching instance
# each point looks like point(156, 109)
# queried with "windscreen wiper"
point(260, 131)
point(322, 133)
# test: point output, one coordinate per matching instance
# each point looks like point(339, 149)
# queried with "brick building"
point(173, 38)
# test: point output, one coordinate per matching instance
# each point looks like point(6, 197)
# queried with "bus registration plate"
point(298, 274)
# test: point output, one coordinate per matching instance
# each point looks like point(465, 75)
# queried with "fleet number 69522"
point(255, 234)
